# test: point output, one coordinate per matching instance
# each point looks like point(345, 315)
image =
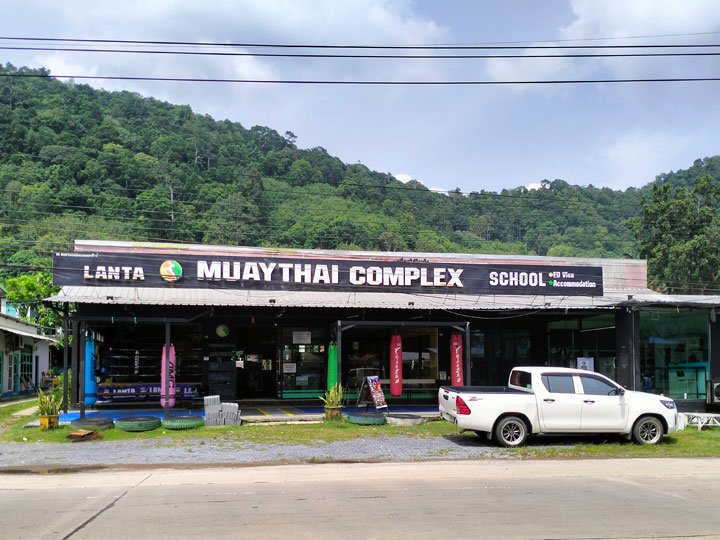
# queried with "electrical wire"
point(339, 82)
point(496, 46)
point(370, 56)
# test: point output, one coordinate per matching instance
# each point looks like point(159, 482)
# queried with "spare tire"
point(137, 423)
point(95, 423)
point(187, 421)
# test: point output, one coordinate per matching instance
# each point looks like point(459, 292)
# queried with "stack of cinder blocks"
point(221, 414)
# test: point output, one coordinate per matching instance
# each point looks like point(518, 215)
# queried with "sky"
point(472, 137)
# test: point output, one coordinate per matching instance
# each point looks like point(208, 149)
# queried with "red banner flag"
point(396, 366)
point(456, 359)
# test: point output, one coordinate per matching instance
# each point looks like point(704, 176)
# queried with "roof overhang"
point(26, 333)
point(304, 299)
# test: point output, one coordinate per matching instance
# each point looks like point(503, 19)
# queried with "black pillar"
point(467, 379)
point(75, 363)
point(714, 351)
point(80, 374)
point(627, 347)
point(66, 345)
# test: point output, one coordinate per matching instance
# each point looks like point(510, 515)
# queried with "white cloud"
point(636, 157)
point(629, 19)
point(531, 69)
point(404, 178)
point(474, 137)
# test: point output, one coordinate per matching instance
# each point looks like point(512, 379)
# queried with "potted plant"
point(49, 408)
point(333, 400)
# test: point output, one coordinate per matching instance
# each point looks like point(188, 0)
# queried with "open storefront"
point(259, 325)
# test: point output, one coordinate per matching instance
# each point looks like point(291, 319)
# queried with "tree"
point(27, 291)
point(303, 173)
point(679, 231)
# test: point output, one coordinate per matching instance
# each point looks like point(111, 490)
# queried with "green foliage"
point(49, 404)
point(679, 232)
point(76, 163)
point(333, 397)
point(26, 291)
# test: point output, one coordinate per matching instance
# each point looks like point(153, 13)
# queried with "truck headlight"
point(669, 403)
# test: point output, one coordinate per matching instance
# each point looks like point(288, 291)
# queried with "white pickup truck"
point(548, 400)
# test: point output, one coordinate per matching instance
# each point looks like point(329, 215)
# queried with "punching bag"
point(90, 381)
point(332, 371)
point(396, 367)
point(167, 375)
point(456, 360)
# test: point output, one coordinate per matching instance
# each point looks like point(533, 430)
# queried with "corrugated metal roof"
point(25, 333)
point(229, 297)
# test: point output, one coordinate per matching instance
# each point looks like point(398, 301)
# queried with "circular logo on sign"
point(171, 271)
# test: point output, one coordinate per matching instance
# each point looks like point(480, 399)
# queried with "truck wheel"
point(648, 430)
point(511, 432)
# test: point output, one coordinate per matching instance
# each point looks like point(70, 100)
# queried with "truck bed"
point(486, 390)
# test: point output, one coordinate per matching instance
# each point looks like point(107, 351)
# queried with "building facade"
point(267, 325)
point(24, 357)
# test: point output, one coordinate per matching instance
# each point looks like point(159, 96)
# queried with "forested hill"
point(82, 163)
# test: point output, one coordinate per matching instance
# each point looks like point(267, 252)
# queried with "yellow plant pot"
point(49, 422)
point(333, 413)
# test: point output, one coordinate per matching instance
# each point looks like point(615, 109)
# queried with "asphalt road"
point(580, 499)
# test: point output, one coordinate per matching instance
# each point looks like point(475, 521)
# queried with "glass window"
point(674, 355)
point(304, 362)
point(597, 387)
point(559, 383)
point(521, 378)
point(482, 367)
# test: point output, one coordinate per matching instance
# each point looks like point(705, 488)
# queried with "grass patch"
point(689, 443)
point(7, 411)
point(683, 444)
point(301, 433)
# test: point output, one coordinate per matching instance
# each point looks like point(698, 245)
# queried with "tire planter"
point(137, 423)
point(403, 420)
point(365, 419)
point(95, 423)
point(188, 421)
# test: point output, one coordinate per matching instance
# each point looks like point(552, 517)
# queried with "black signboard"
point(285, 273)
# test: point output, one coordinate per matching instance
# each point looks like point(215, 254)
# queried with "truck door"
point(603, 408)
point(559, 406)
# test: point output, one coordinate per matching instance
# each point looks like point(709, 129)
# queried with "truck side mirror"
point(620, 391)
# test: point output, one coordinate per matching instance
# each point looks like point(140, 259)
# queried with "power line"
point(338, 82)
point(496, 46)
point(368, 56)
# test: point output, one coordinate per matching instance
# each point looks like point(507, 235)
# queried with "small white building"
point(24, 356)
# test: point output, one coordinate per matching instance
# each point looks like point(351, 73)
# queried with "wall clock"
point(222, 330)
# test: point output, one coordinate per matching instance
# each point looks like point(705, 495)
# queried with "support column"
point(627, 347)
point(714, 350)
point(79, 375)
point(338, 341)
point(468, 357)
point(66, 351)
point(75, 364)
